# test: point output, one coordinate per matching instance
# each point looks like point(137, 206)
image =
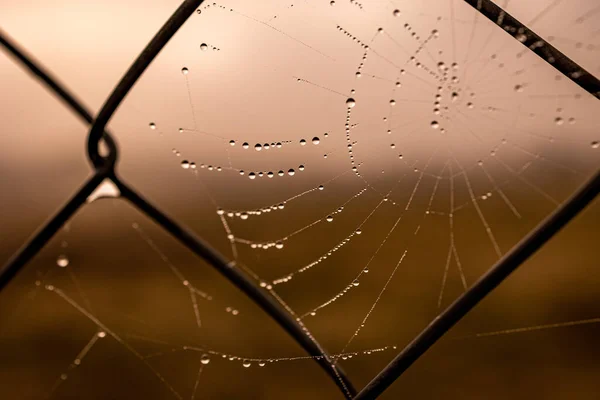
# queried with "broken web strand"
point(533, 328)
point(193, 290)
point(76, 362)
point(109, 332)
point(197, 382)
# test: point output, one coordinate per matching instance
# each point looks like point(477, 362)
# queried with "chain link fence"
point(105, 167)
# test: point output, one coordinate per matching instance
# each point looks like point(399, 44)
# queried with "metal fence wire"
point(104, 167)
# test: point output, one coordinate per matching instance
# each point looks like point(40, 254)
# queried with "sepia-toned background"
point(280, 72)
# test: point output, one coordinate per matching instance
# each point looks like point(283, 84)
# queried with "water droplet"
point(435, 124)
point(232, 142)
point(329, 218)
point(203, 47)
point(595, 144)
point(252, 175)
point(261, 364)
point(101, 334)
point(392, 102)
point(358, 231)
point(518, 88)
point(107, 189)
point(396, 13)
point(321, 187)
point(257, 147)
point(291, 172)
point(279, 245)
point(152, 125)
point(245, 145)
point(315, 140)
point(559, 121)
point(244, 215)
point(205, 359)
point(246, 364)
point(302, 142)
point(350, 102)
point(62, 261)
point(184, 70)
point(185, 164)
point(301, 168)
point(332, 3)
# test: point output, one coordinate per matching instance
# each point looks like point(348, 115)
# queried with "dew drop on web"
point(62, 261)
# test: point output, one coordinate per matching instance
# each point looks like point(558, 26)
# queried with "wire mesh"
point(104, 167)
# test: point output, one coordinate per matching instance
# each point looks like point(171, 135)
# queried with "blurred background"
point(419, 124)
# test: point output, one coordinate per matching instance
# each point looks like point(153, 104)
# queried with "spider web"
point(365, 169)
